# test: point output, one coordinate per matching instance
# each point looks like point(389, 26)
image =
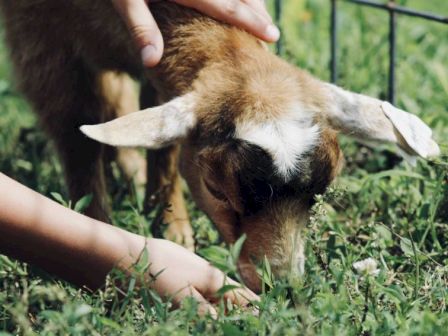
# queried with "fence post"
point(278, 17)
point(392, 50)
point(333, 42)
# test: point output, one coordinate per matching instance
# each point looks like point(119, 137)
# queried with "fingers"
point(241, 296)
point(181, 274)
point(204, 307)
point(143, 29)
point(249, 15)
point(216, 280)
point(259, 7)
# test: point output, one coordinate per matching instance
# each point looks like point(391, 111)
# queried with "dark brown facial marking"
point(257, 182)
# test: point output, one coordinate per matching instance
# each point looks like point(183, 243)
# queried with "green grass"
point(380, 207)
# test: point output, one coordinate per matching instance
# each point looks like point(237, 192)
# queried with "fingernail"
point(148, 54)
point(272, 33)
point(213, 313)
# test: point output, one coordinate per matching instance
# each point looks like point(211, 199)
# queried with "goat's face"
point(254, 161)
point(243, 190)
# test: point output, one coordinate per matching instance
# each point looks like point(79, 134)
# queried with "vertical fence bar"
point(278, 18)
point(392, 52)
point(394, 10)
point(333, 42)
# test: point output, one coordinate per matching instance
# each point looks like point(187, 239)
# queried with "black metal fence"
point(393, 11)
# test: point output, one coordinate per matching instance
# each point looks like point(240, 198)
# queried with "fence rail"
point(393, 11)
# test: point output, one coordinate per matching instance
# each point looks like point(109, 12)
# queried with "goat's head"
point(254, 160)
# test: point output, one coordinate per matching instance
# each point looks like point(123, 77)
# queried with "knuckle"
point(231, 7)
point(142, 34)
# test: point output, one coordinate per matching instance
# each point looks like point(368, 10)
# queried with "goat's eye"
point(216, 193)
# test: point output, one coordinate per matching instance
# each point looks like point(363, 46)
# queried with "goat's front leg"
point(120, 93)
point(164, 188)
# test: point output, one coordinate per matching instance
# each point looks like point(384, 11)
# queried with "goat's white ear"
point(154, 127)
point(413, 130)
point(368, 118)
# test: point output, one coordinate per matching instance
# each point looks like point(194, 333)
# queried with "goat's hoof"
point(181, 233)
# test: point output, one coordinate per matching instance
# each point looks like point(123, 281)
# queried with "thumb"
point(143, 28)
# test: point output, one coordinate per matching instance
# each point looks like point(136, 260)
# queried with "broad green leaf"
point(110, 323)
point(235, 250)
point(58, 197)
point(226, 288)
point(83, 203)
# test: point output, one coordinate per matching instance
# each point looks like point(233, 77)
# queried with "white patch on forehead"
point(286, 138)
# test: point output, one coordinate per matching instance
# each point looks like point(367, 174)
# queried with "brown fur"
point(61, 51)
point(119, 92)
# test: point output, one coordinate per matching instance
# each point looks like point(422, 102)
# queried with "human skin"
point(250, 15)
point(83, 251)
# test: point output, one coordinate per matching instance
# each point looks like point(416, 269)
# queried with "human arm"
point(82, 250)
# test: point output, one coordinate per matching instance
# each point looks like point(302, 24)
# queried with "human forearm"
point(82, 250)
point(75, 247)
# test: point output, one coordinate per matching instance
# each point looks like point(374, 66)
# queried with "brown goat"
point(254, 135)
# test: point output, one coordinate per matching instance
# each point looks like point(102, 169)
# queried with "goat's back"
point(93, 32)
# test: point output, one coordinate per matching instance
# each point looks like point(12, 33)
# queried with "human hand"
point(250, 15)
point(182, 274)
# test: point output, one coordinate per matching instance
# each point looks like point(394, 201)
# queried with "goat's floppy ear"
point(367, 118)
point(155, 127)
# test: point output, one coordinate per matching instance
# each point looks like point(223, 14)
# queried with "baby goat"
point(255, 137)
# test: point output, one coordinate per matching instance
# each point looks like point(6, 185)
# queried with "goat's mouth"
point(252, 279)
point(287, 262)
